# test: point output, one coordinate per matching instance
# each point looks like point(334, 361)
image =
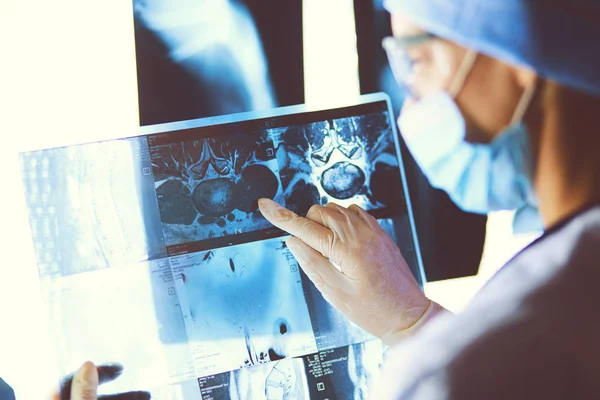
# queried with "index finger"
point(310, 232)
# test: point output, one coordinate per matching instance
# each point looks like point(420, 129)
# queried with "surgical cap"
point(559, 39)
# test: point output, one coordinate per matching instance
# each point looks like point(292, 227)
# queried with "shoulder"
point(553, 266)
point(478, 356)
point(523, 336)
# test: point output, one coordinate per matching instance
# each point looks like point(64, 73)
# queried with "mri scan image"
point(243, 306)
point(342, 373)
point(209, 187)
point(348, 161)
point(284, 379)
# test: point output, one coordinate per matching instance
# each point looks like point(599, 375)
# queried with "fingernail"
point(87, 371)
point(262, 202)
point(268, 205)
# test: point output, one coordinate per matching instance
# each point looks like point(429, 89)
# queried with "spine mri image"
point(349, 161)
point(208, 187)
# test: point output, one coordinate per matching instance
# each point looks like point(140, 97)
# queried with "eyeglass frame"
point(391, 45)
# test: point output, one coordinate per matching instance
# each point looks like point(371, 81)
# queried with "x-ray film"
point(243, 306)
point(152, 251)
point(209, 187)
point(342, 373)
point(348, 161)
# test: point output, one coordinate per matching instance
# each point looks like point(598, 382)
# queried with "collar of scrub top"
point(556, 38)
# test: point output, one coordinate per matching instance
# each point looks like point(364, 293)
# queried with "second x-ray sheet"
point(243, 306)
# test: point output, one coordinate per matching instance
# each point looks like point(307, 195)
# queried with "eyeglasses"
point(401, 63)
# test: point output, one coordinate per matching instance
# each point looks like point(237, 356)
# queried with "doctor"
point(504, 113)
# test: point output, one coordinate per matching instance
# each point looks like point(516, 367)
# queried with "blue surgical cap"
point(559, 39)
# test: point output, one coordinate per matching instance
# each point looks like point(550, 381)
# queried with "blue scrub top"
point(531, 333)
point(6, 392)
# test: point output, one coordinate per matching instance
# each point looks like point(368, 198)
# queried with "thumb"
point(85, 383)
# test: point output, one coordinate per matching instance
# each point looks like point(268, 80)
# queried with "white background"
point(68, 75)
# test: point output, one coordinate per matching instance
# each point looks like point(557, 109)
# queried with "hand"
point(356, 266)
point(83, 385)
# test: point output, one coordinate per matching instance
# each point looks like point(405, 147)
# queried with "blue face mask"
point(478, 177)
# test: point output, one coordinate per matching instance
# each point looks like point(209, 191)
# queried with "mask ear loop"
point(465, 68)
point(524, 104)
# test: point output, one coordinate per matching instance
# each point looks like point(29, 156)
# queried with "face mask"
point(479, 178)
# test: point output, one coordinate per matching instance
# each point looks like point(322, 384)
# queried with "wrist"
point(432, 311)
